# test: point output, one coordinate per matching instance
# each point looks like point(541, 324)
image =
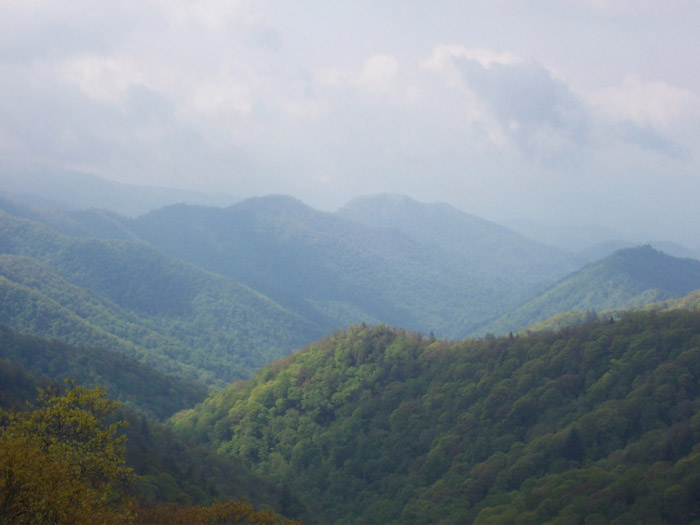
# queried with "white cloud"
point(214, 15)
point(268, 97)
point(445, 57)
point(102, 78)
point(654, 103)
point(514, 102)
point(377, 77)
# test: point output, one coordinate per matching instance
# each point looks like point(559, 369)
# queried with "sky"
point(558, 111)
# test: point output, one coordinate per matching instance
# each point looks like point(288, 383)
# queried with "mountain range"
point(629, 277)
point(377, 425)
point(216, 321)
point(212, 293)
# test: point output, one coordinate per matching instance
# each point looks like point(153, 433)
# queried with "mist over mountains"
point(349, 262)
point(211, 324)
point(383, 258)
point(70, 190)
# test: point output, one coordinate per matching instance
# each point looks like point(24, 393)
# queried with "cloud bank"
point(466, 103)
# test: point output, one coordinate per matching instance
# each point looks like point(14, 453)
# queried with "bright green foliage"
point(597, 422)
point(167, 467)
point(63, 462)
point(67, 461)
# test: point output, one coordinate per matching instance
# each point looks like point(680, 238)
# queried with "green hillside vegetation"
point(129, 297)
point(38, 301)
point(168, 468)
point(63, 460)
point(140, 387)
point(596, 423)
point(567, 319)
point(628, 278)
point(79, 223)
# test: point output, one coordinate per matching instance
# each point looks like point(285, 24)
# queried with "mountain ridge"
point(628, 277)
point(381, 425)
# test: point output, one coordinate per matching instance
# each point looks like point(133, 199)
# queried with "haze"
point(561, 112)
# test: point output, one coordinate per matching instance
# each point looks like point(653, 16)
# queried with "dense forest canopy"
point(592, 415)
point(63, 461)
point(378, 425)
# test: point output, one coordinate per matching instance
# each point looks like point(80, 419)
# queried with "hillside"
point(168, 469)
point(596, 423)
point(130, 297)
point(141, 388)
point(629, 277)
point(329, 268)
point(487, 249)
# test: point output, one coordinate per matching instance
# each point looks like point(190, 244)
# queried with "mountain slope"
point(629, 277)
point(488, 249)
point(132, 296)
point(168, 468)
point(597, 423)
point(139, 386)
point(328, 268)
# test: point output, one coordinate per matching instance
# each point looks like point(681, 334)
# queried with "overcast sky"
point(564, 110)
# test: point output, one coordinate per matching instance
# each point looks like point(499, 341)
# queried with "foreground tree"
point(63, 461)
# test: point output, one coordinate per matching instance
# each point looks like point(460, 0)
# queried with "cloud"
point(654, 115)
point(376, 78)
point(256, 97)
point(445, 58)
point(523, 104)
point(517, 102)
point(648, 103)
point(103, 78)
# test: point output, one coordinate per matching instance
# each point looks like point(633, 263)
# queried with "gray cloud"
point(331, 100)
point(541, 113)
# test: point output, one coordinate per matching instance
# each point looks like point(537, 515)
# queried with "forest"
point(596, 422)
point(201, 387)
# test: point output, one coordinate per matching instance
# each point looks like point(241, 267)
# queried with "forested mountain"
point(629, 277)
point(92, 222)
point(487, 249)
point(140, 387)
point(336, 270)
point(167, 468)
point(132, 298)
point(601, 250)
point(597, 423)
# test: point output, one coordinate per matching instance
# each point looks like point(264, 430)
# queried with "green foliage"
point(63, 461)
point(628, 278)
point(168, 468)
point(138, 386)
point(128, 297)
point(382, 425)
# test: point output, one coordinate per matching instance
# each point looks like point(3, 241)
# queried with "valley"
point(392, 362)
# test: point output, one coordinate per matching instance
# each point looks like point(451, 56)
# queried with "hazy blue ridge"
point(164, 307)
point(628, 277)
point(333, 269)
